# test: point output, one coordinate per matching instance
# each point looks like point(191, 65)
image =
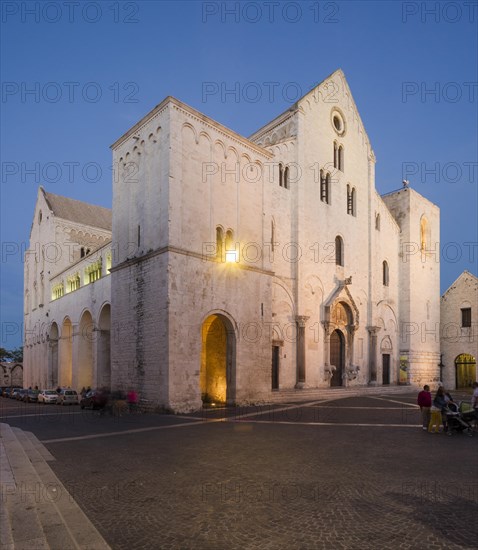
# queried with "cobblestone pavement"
point(355, 473)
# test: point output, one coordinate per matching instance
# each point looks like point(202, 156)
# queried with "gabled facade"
point(67, 293)
point(459, 334)
point(247, 266)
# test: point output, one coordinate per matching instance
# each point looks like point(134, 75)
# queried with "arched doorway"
point(66, 353)
point(465, 370)
point(85, 351)
point(53, 363)
point(104, 348)
point(337, 357)
point(217, 375)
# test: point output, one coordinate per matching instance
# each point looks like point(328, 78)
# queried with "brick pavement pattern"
point(355, 473)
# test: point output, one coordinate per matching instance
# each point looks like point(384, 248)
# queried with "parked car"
point(6, 392)
point(47, 396)
point(14, 392)
point(67, 397)
point(94, 399)
point(20, 394)
point(31, 396)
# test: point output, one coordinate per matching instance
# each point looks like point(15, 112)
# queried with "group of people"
point(104, 398)
point(443, 402)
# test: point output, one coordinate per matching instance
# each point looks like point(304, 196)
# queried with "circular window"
point(338, 122)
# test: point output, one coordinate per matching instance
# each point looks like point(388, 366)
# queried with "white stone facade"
point(459, 330)
point(330, 284)
point(67, 294)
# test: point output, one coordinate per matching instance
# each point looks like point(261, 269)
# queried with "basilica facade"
point(230, 268)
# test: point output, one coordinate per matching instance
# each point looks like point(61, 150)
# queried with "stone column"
point(326, 342)
point(75, 355)
point(372, 347)
point(53, 362)
point(301, 320)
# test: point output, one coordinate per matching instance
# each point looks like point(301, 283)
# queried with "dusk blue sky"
point(137, 53)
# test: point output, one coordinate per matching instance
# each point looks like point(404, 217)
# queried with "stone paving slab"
point(19, 497)
point(258, 483)
point(240, 485)
point(38, 511)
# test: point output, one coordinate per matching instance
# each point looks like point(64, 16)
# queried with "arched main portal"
point(66, 353)
point(217, 375)
point(53, 359)
point(340, 328)
point(337, 357)
point(85, 351)
point(465, 370)
point(104, 348)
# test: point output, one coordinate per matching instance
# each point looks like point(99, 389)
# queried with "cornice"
point(184, 252)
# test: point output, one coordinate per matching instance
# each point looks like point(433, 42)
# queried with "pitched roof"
point(78, 211)
point(463, 275)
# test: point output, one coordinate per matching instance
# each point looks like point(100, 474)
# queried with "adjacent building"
point(459, 320)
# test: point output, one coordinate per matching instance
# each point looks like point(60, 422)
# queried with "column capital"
point(301, 320)
point(373, 330)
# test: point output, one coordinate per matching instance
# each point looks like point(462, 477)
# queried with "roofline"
point(459, 277)
point(42, 190)
point(187, 108)
point(296, 106)
point(414, 191)
point(390, 215)
point(279, 119)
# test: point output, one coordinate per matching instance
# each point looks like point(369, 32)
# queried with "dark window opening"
point(466, 317)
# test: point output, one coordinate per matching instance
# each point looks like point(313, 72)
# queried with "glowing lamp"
point(231, 256)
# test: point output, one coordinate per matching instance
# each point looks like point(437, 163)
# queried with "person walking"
point(440, 402)
point(424, 401)
point(132, 400)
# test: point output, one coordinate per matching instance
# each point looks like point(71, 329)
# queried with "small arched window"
point(286, 177)
point(219, 242)
point(424, 234)
point(377, 222)
point(339, 251)
point(385, 273)
point(325, 187)
point(231, 252)
point(229, 240)
point(336, 155)
point(351, 201)
point(341, 158)
point(281, 175)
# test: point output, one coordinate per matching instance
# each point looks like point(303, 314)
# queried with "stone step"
point(19, 496)
point(335, 393)
point(62, 521)
point(44, 452)
point(48, 495)
point(7, 481)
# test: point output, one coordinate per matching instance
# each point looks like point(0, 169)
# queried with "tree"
point(17, 354)
point(5, 355)
point(12, 355)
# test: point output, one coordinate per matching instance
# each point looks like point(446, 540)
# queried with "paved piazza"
point(354, 473)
